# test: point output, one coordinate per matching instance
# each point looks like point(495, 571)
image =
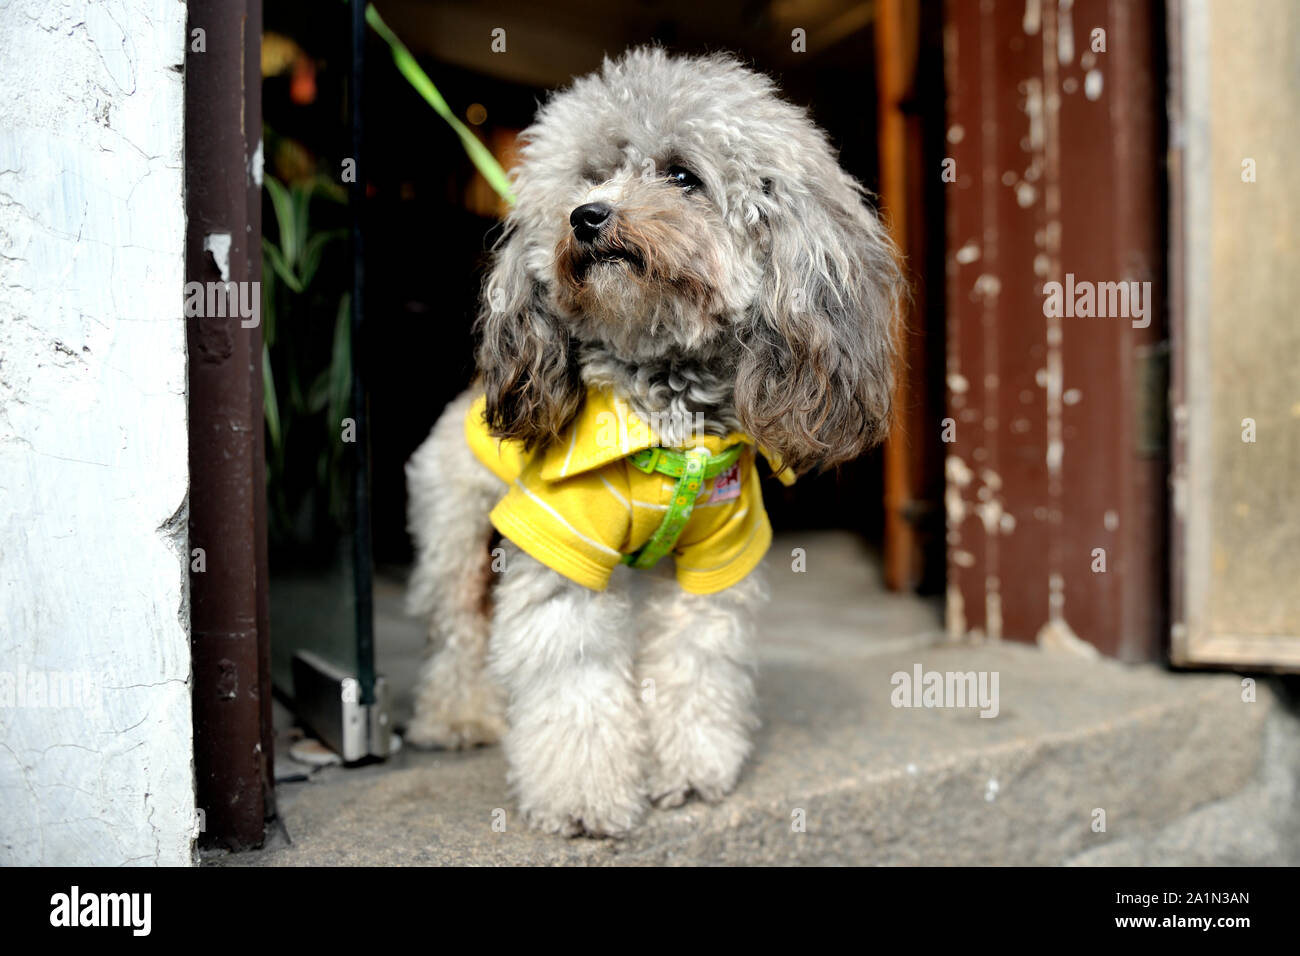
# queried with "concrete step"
point(1257, 826)
point(1185, 770)
point(877, 784)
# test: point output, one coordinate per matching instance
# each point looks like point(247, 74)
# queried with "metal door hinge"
point(328, 700)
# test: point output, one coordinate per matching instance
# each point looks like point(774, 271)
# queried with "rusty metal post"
point(230, 637)
point(253, 121)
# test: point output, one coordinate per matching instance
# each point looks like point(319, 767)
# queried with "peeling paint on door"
point(1044, 462)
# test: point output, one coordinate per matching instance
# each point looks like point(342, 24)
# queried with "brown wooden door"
point(1055, 452)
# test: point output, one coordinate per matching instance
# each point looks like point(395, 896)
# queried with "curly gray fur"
point(762, 300)
point(754, 292)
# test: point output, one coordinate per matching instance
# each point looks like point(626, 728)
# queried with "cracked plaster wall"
point(96, 747)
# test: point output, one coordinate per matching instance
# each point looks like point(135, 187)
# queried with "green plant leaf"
point(283, 206)
point(318, 396)
point(407, 65)
point(314, 249)
point(268, 305)
point(301, 225)
point(273, 255)
point(327, 188)
point(270, 404)
point(340, 370)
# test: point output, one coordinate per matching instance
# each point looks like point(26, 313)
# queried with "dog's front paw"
point(611, 812)
point(578, 780)
point(696, 759)
point(666, 794)
point(608, 801)
point(588, 823)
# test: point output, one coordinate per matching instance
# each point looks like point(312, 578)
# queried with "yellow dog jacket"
point(580, 505)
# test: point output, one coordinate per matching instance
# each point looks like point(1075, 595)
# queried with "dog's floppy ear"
point(525, 358)
point(815, 378)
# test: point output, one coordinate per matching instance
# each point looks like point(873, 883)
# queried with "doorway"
point(430, 218)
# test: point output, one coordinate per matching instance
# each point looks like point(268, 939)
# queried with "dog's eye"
point(684, 177)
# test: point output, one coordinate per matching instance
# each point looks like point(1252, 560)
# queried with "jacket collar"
point(606, 430)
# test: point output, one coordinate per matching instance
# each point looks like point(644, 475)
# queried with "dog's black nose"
point(588, 219)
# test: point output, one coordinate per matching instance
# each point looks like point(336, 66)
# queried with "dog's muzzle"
point(589, 219)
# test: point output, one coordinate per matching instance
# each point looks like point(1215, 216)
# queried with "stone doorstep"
point(874, 784)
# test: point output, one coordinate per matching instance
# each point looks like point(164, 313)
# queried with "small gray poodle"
point(687, 281)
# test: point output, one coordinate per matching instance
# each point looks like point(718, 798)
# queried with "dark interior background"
point(431, 219)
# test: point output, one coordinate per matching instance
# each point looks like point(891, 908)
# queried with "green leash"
point(691, 469)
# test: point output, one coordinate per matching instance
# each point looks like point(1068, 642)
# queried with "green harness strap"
point(691, 469)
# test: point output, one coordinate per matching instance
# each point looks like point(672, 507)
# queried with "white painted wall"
point(93, 459)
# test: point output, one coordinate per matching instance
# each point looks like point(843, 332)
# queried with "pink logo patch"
point(726, 487)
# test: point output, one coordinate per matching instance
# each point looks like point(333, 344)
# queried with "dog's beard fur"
point(654, 272)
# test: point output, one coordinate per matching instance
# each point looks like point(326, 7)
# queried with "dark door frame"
point(229, 609)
